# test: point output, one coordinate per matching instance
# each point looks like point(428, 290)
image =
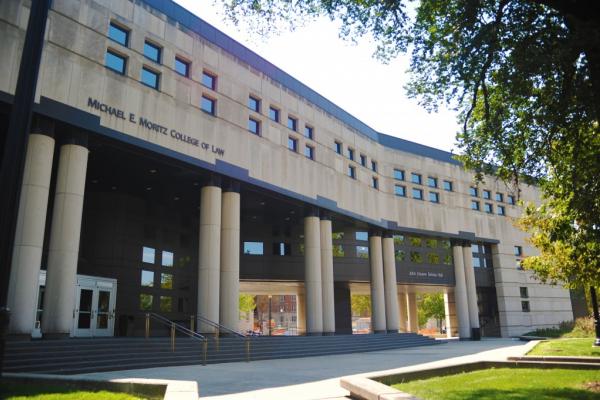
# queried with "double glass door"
point(94, 307)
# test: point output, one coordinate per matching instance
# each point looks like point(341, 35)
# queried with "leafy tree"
point(360, 304)
point(431, 305)
point(247, 303)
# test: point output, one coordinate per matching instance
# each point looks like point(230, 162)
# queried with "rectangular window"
point(524, 293)
point(209, 80)
point(362, 236)
point(338, 250)
point(518, 251)
point(282, 249)
point(254, 248)
point(510, 199)
point(350, 153)
point(363, 160)
point(415, 178)
point(400, 190)
point(308, 132)
point(500, 210)
point(487, 194)
point(473, 191)
point(148, 255)
point(362, 252)
point(147, 279)
point(373, 165)
point(488, 208)
point(115, 62)
point(254, 103)
point(525, 306)
point(351, 172)
point(150, 78)
point(448, 186)
point(118, 34)
point(474, 205)
point(375, 182)
point(254, 126)
point(292, 123)
point(518, 264)
point(152, 51)
point(309, 152)
point(274, 114)
point(337, 146)
point(432, 182)
point(499, 197)
point(167, 259)
point(399, 174)
point(434, 197)
point(182, 67)
point(417, 194)
point(166, 281)
point(166, 303)
point(208, 105)
point(293, 144)
point(145, 302)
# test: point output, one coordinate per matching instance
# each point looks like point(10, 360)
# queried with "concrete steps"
point(73, 356)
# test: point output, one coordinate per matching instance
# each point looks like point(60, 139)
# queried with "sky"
point(345, 73)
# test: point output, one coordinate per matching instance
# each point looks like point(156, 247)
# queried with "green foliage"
point(576, 347)
point(34, 391)
point(360, 304)
point(580, 328)
point(247, 303)
point(431, 305)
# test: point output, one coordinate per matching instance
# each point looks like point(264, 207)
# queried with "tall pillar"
point(209, 256)
point(378, 322)
point(230, 258)
point(471, 291)
point(391, 286)
point(63, 251)
point(327, 277)
point(460, 293)
point(450, 313)
point(403, 312)
point(413, 319)
point(29, 235)
point(312, 274)
point(301, 313)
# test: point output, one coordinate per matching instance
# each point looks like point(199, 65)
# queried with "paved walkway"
point(314, 378)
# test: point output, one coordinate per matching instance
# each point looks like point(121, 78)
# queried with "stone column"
point(209, 259)
point(301, 313)
point(29, 235)
point(63, 251)
point(450, 311)
point(460, 293)
point(403, 312)
point(312, 274)
point(471, 291)
point(378, 322)
point(391, 286)
point(230, 258)
point(413, 319)
point(327, 277)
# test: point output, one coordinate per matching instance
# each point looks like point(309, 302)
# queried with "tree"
point(431, 306)
point(246, 303)
point(360, 304)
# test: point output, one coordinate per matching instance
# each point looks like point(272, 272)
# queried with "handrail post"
point(217, 338)
point(192, 318)
point(204, 350)
point(172, 336)
point(247, 349)
point(147, 325)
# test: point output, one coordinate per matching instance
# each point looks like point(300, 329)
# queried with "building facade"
point(169, 169)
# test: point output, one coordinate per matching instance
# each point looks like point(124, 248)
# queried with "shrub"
point(580, 328)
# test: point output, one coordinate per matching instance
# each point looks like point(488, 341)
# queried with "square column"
point(391, 286)
point(312, 274)
point(460, 293)
point(413, 319)
point(378, 321)
point(230, 259)
point(471, 291)
point(327, 277)
point(403, 312)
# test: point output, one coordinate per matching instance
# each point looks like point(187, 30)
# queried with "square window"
point(400, 190)
point(476, 262)
point(254, 126)
point(417, 194)
point(337, 146)
point(432, 182)
point(448, 186)
point(147, 279)
point(350, 154)
point(362, 252)
point(166, 281)
point(145, 302)
point(167, 259)
point(499, 197)
point(400, 255)
point(254, 103)
point(524, 292)
point(510, 199)
point(374, 165)
point(518, 264)
point(209, 80)
point(254, 248)
point(118, 34)
point(351, 172)
point(398, 240)
point(338, 250)
point(362, 236)
point(309, 152)
point(415, 178)
point(488, 208)
point(208, 105)
point(293, 144)
point(115, 62)
point(166, 303)
point(416, 257)
point(487, 194)
point(433, 258)
point(473, 191)
point(525, 306)
point(150, 78)
point(500, 210)
point(292, 123)
point(308, 132)
point(474, 205)
point(399, 174)
point(274, 114)
point(375, 183)
point(152, 51)
point(363, 160)
point(182, 67)
point(434, 197)
point(148, 255)
point(518, 251)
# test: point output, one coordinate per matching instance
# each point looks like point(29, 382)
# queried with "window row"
point(338, 147)
point(255, 104)
point(488, 208)
point(309, 150)
point(417, 179)
point(487, 195)
point(400, 191)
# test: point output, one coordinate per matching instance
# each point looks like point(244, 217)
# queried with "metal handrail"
point(218, 328)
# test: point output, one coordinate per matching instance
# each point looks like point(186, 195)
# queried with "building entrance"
point(94, 306)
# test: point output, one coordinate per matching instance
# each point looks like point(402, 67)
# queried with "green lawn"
point(566, 347)
point(43, 392)
point(507, 384)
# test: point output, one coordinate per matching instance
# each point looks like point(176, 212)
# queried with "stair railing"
point(174, 327)
point(218, 328)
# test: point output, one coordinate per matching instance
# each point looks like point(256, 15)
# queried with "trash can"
point(475, 333)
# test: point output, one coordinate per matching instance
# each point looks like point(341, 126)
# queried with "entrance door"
point(94, 306)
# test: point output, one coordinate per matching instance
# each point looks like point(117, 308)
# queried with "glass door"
point(95, 306)
point(83, 311)
point(104, 315)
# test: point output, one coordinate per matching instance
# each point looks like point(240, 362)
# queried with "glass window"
point(518, 250)
point(487, 194)
point(118, 34)
point(415, 178)
point(433, 258)
point(338, 250)
point(432, 182)
point(434, 197)
point(351, 172)
point(399, 174)
point(182, 67)
point(273, 114)
point(115, 62)
point(254, 248)
point(147, 278)
point(254, 103)
point(293, 144)
point(400, 190)
point(166, 281)
point(448, 186)
point(282, 249)
point(309, 152)
point(145, 302)
point(374, 165)
point(510, 199)
point(150, 78)
point(445, 244)
point(364, 236)
point(476, 262)
point(208, 105)
point(499, 197)
point(518, 264)
point(362, 252)
point(431, 243)
point(254, 126)
point(363, 160)
point(417, 194)
point(488, 208)
point(337, 235)
point(474, 205)
point(416, 257)
point(375, 182)
point(524, 293)
point(308, 132)
point(525, 306)
point(350, 154)
point(474, 247)
point(473, 191)
point(400, 255)
point(292, 123)
point(415, 241)
point(209, 80)
point(148, 255)
point(167, 259)
point(152, 51)
point(398, 239)
point(448, 259)
point(337, 146)
point(500, 210)
point(166, 303)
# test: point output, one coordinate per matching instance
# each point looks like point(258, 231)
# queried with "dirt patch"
point(593, 386)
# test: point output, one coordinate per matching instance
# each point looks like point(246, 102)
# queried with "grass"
point(508, 384)
point(10, 391)
point(566, 347)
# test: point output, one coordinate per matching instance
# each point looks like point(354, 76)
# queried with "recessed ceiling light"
point(287, 218)
point(152, 171)
point(149, 188)
point(195, 183)
point(114, 188)
point(262, 203)
point(175, 198)
point(254, 217)
point(292, 212)
point(94, 181)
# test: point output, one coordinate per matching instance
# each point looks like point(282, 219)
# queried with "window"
point(416, 257)
point(415, 178)
point(182, 67)
point(308, 132)
point(518, 251)
point(150, 78)
point(337, 146)
point(499, 197)
point(432, 182)
point(500, 210)
point(166, 303)
point(145, 302)
point(148, 255)
point(282, 249)
point(208, 105)
point(518, 264)
point(400, 190)
point(525, 306)
point(415, 241)
point(115, 62)
point(293, 144)
point(273, 114)
point(254, 104)
point(400, 255)
point(118, 34)
point(337, 235)
point(363, 236)
point(254, 248)
point(434, 197)
point(375, 182)
point(338, 250)
point(510, 199)
point(473, 191)
point(431, 243)
point(152, 51)
point(309, 152)
point(398, 174)
point(254, 126)
point(166, 281)
point(487, 194)
point(448, 186)
point(209, 80)
point(350, 154)
point(474, 205)
point(363, 160)
point(292, 123)
point(433, 258)
point(488, 208)
point(417, 194)
point(398, 240)
point(362, 252)
point(351, 172)
point(524, 292)
point(167, 259)
point(374, 165)
point(147, 279)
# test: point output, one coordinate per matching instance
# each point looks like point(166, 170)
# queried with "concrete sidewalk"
point(318, 377)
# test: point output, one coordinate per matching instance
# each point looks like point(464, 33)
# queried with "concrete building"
point(169, 169)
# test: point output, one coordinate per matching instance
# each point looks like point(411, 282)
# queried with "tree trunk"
point(596, 315)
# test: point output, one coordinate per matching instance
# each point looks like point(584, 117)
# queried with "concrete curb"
point(367, 389)
point(561, 359)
